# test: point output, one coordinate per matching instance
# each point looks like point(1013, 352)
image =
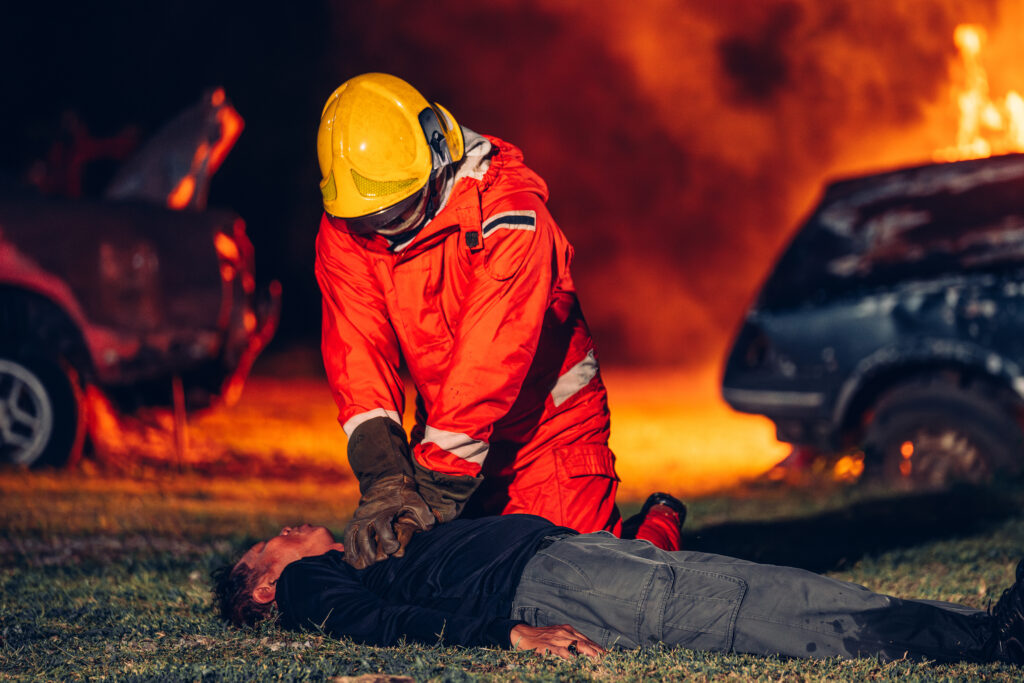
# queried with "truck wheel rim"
point(26, 414)
point(937, 457)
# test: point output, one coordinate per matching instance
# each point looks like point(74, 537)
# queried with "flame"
point(206, 158)
point(121, 439)
point(669, 432)
point(181, 195)
point(906, 453)
point(714, 147)
point(241, 443)
point(226, 247)
point(848, 467)
point(672, 431)
point(233, 391)
point(987, 126)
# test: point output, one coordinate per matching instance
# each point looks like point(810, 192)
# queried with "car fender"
point(20, 273)
point(920, 356)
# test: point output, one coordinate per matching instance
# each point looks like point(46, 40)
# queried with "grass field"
point(105, 577)
point(104, 569)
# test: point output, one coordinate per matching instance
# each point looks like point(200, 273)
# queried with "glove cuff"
point(378, 448)
point(446, 494)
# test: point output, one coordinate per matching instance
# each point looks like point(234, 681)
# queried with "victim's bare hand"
point(563, 640)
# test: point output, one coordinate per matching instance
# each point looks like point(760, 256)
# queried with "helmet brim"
point(390, 216)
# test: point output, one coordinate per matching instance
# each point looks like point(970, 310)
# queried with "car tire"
point(40, 412)
point(933, 432)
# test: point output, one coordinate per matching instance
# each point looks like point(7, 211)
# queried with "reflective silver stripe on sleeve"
point(353, 422)
point(460, 445)
point(575, 379)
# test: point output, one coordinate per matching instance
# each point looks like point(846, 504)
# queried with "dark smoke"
point(681, 141)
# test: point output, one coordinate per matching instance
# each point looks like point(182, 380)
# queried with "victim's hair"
point(233, 585)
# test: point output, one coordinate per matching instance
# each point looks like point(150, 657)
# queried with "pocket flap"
point(586, 461)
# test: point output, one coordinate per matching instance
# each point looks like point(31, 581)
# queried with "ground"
point(105, 576)
point(104, 568)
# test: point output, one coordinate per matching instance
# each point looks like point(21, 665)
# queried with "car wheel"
point(932, 433)
point(39, 412)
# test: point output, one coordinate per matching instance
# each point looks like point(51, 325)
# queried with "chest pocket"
point(421, 302)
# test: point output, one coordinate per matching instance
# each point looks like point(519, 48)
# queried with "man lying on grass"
point(518, 581)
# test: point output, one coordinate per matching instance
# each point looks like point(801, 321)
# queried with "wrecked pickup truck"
point(145, 293)
point(893, 325)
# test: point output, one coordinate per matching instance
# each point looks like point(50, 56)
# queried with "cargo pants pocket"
point(628, 593)
point(701, 608)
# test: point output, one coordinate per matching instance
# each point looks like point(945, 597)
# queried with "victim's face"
point(293, 543)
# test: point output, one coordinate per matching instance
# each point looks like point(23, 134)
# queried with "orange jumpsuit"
point(481, 307)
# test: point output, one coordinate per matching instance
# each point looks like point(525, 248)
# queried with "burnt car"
point(144, 293)
point(893, 324)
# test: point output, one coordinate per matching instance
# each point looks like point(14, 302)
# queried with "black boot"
point(632, 525)
point(1007, 643)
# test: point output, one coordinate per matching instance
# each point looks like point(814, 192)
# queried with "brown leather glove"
point(371, 535)
point(446, 494)
point(378, 448)
point(379, 454)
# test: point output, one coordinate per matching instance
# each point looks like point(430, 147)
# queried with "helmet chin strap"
point(441, 186)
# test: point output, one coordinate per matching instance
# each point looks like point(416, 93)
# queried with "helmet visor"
point(391, 220)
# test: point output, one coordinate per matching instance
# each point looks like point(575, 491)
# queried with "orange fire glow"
point(230, 128)
point(987, 126)
point(126, 441)
point(906, 453)
point(672, 430)
point(226, 247)
point(665, 433)
point(181, 195)
point(758, 108)
point(208, 159)
point(848, 467)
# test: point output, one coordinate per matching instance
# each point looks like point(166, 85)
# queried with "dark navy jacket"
point(454, 585)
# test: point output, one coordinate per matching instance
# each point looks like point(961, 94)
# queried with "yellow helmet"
point(382, 147)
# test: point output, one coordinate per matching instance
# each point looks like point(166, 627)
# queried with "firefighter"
point(436, 250)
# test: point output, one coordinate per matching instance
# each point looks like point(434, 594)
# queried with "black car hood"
point(915, 223)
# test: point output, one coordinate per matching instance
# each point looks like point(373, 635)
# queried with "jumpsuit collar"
point(505, 167)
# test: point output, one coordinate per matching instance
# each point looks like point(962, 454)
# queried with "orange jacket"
point(481, 307)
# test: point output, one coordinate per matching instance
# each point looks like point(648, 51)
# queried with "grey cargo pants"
point(627, 593)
